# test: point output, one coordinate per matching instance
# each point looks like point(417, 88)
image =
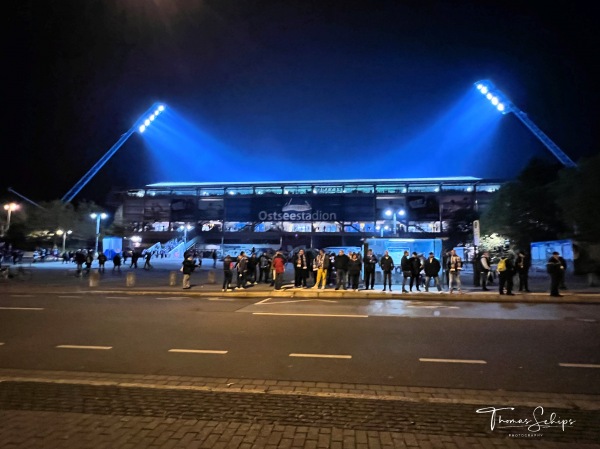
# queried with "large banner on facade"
point(300, 208)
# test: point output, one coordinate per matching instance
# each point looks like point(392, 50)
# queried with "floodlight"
point(504, 105)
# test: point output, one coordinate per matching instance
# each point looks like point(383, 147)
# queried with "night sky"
point(286, 90)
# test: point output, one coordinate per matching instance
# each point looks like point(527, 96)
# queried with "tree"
point(38, 225)
point(578, 196)
point(525, 210)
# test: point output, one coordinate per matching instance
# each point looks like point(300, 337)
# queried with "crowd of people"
point(319, 270)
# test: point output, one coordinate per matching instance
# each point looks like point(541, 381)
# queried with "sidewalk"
point(206, 281)
point(66, 410)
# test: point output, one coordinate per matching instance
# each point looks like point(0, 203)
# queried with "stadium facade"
point(310, 213)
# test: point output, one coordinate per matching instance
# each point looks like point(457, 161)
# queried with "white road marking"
point(578, 365)
point(310, 314)
point(1, 344)
point(22, 308)
point(100, 348)
point(170, 299)
point(74, 297)
point(322, 356)
point(432, 307)
point(263, 301)
point(480, 362)
point(298, 300)
point(198, 351)
point(117, 297)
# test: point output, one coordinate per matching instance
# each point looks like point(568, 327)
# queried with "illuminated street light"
point(185, 230)
point(98, 217)
point(392, 213)
point(64, 238)
point(504, 105)
point(140, 125)
point(9, 208)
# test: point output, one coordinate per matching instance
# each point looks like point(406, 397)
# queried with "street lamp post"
point(9, 208)
point(98, 217)
point(64, 238)
point(392, 213)
point(185, 230)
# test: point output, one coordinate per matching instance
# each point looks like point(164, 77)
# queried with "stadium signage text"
point(317, 215)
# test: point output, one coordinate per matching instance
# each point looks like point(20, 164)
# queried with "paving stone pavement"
point(92, 410)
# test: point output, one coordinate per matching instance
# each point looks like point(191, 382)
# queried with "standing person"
point(555, 269)
point(405, 266)
point(278, 269)
point(242, 268)
point(187, 267)
point(117, 262)
point(370, 265)
point(563, 273)
point(387, 265)
point(252, 264)
point(322, 263)
point(101, 261)
point(300, 269)
point(454, 268)
point(89, 259)
point(79, 261)
point(354, 267)
point(214, 258)
point(341, 269)
point(415, 270)
point(227, 273)
point(134, 259)
point(485, 267)
point(522, 266)
point(147, 258)
point(264, 265)
point(506, 272)
point(432, 269)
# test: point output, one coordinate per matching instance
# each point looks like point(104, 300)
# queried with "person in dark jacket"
point(405, 266)
point(264, 266)
point(300, 269)
point(341, 269)
point(227, 273)
point(354, 267)
point(415, 271)
point(187, 267)
point(387, 265)
point(432, 269)
point(485, 268)
point(555, 269)
point(242, 269)
point(117, 262)
point(522, 266)
point(101, 261)
point(370, 265)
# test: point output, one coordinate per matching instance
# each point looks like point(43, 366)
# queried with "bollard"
point(212, 279)
point(173, 278)
point(130, 279)
point(94, 279)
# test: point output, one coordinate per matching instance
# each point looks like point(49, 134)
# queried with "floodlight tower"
point(140, 125)
point(504, 105)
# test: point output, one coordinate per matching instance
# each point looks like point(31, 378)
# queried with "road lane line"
point(321, 356)
point(310, 314)
point(74, 297)
point(1, 344)
point(480, 362)
point(22, 308)
point(579, 365)
point(100, 348)
point(198, 351)
point(117, 297)
point(170, 299)
point(263, 301)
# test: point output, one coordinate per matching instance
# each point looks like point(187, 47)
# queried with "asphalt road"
point(519, 347)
